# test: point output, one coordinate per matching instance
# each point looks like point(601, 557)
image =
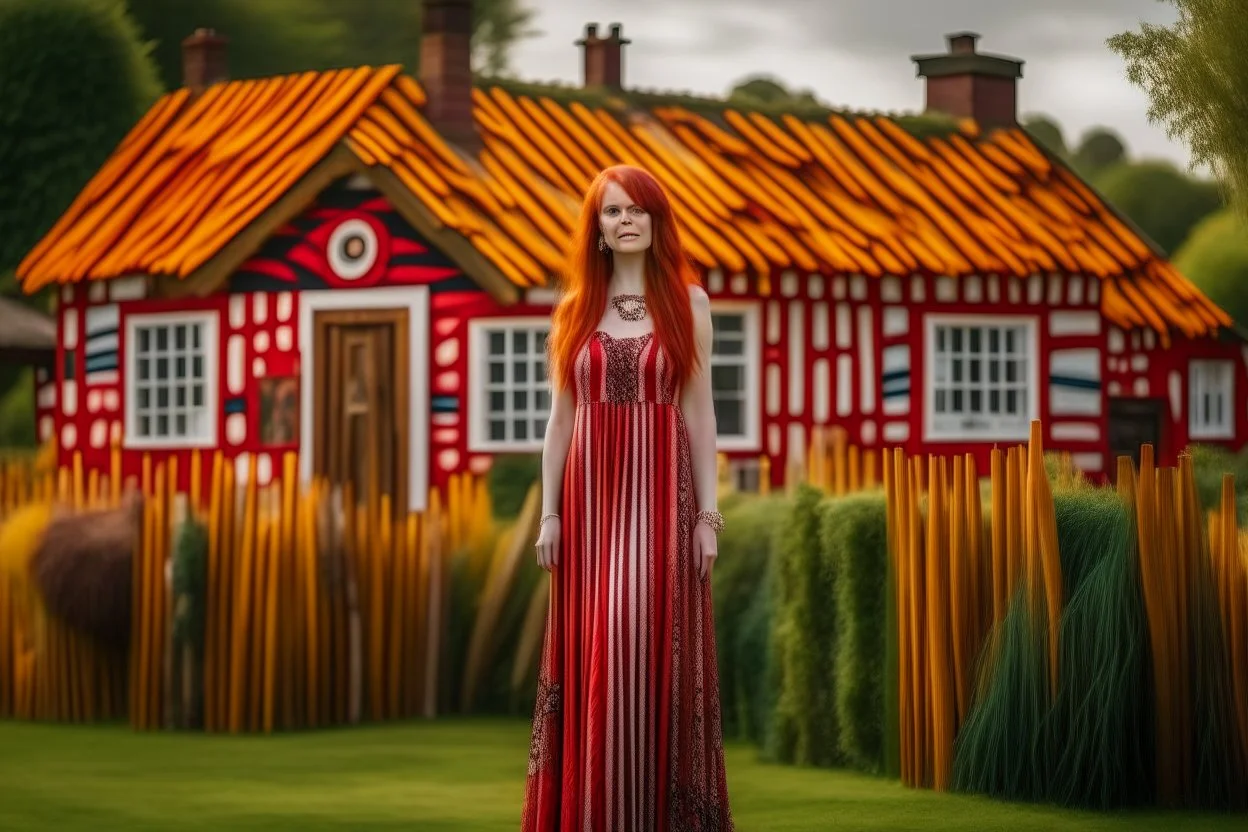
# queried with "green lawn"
point(447, 775)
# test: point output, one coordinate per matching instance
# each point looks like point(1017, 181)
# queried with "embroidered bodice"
point(624, 370)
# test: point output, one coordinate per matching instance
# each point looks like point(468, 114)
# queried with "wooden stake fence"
point(956, 573)
point(315, 611)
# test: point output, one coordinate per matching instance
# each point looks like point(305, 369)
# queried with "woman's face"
point(625, 224)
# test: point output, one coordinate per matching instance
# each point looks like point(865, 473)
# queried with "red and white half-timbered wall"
point(930, 364)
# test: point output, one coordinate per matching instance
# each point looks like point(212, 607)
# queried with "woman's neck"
point(628, 275)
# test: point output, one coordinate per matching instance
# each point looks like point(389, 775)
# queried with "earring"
point(602, 244)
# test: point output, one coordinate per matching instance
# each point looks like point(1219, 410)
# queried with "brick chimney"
point(204, 60)
point(969, 84)
point(446, 70)
point(603, 57)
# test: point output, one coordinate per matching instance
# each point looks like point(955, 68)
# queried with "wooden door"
point(360, 400)
point(1132, 423)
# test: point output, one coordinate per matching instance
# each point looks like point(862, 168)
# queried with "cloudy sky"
point(856, 53)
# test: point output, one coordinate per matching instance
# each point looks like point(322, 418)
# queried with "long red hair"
point(584, 292)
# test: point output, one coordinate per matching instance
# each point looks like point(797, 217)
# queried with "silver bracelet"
point(545, 518)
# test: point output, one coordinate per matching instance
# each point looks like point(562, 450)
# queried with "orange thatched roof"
point(856, 195)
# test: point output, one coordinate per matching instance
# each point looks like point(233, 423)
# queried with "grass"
point(453, 774)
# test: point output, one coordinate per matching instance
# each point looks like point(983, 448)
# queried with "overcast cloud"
point(856, 53)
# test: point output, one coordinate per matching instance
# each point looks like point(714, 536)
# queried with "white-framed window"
point(171, 379)
point(509, 403)
point(1211, 399)
point(735, 374)
point(510, 392)
point(982, 378)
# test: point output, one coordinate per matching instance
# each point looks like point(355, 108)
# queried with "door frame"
point(415, 299)
point(397, 318)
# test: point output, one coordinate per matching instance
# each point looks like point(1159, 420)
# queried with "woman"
point(626, 731)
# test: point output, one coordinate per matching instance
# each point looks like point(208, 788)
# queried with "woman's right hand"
point(548, 544)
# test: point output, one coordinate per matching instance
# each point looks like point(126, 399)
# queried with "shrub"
point(804, 726)
point(1092, 746)
point(743, 611)
point(509, 480)
point(855, 540)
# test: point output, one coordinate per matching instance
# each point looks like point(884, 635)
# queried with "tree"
point(275, 37)
point(266, 37)
point(1158, 197)
point(1048, 134)
point(1215, 258)
point(1196, 76)
point(767, 90)
point(74, 79)
point(1099, 149)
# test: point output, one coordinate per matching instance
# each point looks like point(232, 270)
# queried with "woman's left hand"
point(705, 548)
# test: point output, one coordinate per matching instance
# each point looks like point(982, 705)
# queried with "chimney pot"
point(966, 83)
point(446, 70)
point(204, 60)
point(962, 43)
point(603, 57)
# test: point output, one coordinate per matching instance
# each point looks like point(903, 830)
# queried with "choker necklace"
point(630, 307)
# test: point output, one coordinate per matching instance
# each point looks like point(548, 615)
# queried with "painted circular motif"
point(352, 249)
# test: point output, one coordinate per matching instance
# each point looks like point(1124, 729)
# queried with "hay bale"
point(82, 568)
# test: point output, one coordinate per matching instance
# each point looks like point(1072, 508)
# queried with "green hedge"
point(804, 723)
point(742, 592)
point(855, 541)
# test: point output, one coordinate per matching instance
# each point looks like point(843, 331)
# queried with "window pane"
point(498, 372)
point(162, 423)
point(197, 367)
point(522, 430)
point(145, 426)
point(498, 343)
point(730, 417)
point(180, 424)
point(162, 369)
point(519, 342)
point(162, 397)
point(520, 400)
point(543, 399)
point(145, 339)
point(520, 372)
point(162, 338)
point(727, 379)
point(197, 395)
point(498, 401)
point(498, 430)
point(145, 369)
point(179, 336)
point(179, 370)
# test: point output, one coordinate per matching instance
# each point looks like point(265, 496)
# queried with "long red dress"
point(626, 731)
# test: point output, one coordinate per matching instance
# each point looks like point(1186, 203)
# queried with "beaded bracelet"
point(545, 518)
point(713, 519)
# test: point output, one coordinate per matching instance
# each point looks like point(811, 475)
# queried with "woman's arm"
point(698, 406)
point(555, 447)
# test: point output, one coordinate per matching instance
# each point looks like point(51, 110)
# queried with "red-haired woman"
point(626, 731)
